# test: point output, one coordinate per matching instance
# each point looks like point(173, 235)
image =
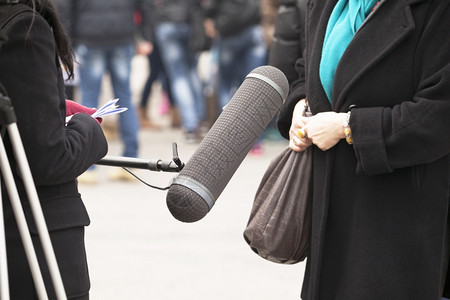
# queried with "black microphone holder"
point(175, 165)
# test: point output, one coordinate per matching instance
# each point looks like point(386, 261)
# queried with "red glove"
point(73, 108)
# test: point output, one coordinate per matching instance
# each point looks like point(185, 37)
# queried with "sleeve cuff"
point(368, 141)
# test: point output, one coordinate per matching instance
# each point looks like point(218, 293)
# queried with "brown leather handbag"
point(279, 227)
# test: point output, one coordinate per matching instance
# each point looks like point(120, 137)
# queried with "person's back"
point(104, 22)
point(233, 16)
point(172, 11)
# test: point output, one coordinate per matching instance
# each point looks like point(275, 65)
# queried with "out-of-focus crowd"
point(172, 34)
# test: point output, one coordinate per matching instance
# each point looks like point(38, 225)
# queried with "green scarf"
point(346, 18)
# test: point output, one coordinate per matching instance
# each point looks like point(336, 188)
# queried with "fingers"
point(298, 137)
point(299, 140)
point(301, 133)
point(294, 145)
point(325, 129)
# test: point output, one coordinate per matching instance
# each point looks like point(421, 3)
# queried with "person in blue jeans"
point(181, 67)
point(239, 55)
point(94, 62)
point(157, 73)
point(171, 29)
point(103, 33)
point(240, 41)
point(241, 45)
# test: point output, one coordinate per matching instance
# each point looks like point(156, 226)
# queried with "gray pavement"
point(137, 250)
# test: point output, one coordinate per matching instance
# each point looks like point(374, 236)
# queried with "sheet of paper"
point(110, 108)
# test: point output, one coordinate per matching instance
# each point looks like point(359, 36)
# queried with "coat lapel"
point(391, 23)
point(317, 20)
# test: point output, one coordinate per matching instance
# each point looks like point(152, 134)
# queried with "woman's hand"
point(297, 140)
point(325, 129)
point(73, 108)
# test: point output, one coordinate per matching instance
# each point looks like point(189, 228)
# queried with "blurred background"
point(137, 250)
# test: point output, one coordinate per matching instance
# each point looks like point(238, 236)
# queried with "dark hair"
point(47, 10)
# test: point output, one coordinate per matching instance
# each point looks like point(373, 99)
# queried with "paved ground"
point(137, 250)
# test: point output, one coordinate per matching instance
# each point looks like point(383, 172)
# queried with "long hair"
point(48, 11)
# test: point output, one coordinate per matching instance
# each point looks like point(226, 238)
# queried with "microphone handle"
point(138, 163)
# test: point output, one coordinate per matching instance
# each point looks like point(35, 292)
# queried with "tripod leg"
point(36, 208)
point(21, 222)
point(4, 283)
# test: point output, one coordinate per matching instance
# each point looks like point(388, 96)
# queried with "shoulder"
point(9, 14)
point(29, 45)
point(25, 24)
point(21, 17)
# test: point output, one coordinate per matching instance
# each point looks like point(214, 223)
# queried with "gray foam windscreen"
point(197, 187)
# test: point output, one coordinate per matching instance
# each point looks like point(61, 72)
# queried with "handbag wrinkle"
point(279, 226)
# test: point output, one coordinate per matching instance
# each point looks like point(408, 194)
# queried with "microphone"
point(195, 190)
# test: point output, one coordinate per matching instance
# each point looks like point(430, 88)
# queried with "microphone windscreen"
point(195, 190)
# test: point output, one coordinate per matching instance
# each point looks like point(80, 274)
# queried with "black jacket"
point(380, 223)
point(57, 154)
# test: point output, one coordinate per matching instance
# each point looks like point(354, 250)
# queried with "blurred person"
point(170, 23)
point(288, 40)
point(375, 75)
point(240, 42)
point(286, 46)
point(282, 21)
point(239, 39)
point(71, 84)
point(104, 35)
point(156, 73)
point(269, 12)
point(57, 153)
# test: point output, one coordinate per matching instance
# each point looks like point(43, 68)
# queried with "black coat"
point(57, 154)
point(381, 206)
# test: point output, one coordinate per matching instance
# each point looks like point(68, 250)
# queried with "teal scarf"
point(346, 18)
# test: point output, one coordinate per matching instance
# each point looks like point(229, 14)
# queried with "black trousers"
point(70, 252)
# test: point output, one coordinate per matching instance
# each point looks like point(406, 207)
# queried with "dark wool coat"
point(381, 206)
point(57, 154)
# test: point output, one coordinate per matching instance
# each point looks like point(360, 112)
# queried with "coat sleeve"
point(415, 131)
point(297, 92)
point(33, 79)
